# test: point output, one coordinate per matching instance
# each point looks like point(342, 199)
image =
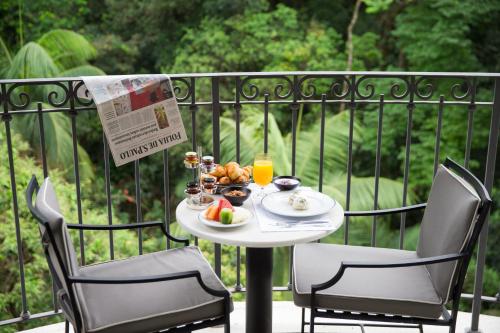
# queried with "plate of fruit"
point(223, 215)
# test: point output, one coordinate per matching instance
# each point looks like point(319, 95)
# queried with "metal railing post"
point(76, 168)
point(488, 183)
point(216, 152)
point(6, 117)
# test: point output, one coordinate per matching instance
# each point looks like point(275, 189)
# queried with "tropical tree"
point(58, 53)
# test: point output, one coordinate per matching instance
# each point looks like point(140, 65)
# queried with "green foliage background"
point(89, 37)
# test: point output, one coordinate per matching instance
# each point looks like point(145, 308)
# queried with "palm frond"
point(335, 148)
point(5, 57)
point(31, 61)
point(68, 48)
point(363, 192)
point(252, 140)
point(84, 70)
point(58, 142)
point(362, 196)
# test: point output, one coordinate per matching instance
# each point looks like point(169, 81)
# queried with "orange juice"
point(263, 172)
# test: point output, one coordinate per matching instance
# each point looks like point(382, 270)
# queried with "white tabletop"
point(250, 235)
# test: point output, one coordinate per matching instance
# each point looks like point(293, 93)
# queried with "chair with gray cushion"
point(408, 288)
point(174, 289)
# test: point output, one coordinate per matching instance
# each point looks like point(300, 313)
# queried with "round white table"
point(259, 255)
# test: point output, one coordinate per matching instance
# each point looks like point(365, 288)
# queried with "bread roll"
point(249, 169)
point(224, 181)
point(219, 171)
point(240, 180)
point(233, 171)
point(231, 163)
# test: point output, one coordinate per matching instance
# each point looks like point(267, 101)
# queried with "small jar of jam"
point(191, 160)
point(208, 163)
point(192, 188)
point(193, 194)
point(209, 185)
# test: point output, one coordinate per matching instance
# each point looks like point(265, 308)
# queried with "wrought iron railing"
point(351, 91)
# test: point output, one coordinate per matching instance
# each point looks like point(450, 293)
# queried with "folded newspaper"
point(139, 114)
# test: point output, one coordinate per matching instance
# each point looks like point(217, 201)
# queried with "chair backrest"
point(451, 223)
point(56, 240)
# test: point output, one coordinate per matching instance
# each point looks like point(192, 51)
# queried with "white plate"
point(217, 224)
point(277, 203)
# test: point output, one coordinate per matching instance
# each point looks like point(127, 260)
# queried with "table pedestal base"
point(259, 298)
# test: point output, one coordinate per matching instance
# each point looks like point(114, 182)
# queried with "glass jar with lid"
point(193, 194)
point(207, 163)
point(191, 160)
point(209, 185)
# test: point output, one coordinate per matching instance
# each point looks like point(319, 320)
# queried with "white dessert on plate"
point(298, 201)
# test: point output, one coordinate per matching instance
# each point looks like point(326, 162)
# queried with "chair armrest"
point(114, 226)
point(129, 226)
point(385, 211)
point(395, 264)
point(150, 279)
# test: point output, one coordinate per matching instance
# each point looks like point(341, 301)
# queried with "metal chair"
point(405, 288)
point(174, 289)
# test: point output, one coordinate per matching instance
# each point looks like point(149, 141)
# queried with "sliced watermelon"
point(223, 203)
point(226, 204)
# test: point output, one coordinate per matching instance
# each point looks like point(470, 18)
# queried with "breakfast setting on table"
point(248, 206)
point(230, 196)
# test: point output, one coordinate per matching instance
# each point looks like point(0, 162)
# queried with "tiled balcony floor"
point(286, 318)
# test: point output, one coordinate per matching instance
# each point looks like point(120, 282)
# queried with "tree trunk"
point(349, 45)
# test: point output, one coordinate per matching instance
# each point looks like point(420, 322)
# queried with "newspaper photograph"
point(139, 114)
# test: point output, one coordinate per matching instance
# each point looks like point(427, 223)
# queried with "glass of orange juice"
point(263, 170)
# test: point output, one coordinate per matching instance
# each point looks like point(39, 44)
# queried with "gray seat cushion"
point(446, 225)
point(400, 291)
point(149, 306)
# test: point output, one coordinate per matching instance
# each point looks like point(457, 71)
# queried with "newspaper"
point(139, 114)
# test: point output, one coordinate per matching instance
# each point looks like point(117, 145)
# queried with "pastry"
point(240, 180)
point(228, 164)
point(249, 169)
point(219, 171)
point(233, 170)
point(224, 180)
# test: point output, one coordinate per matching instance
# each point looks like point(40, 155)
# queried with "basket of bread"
point(230, 174)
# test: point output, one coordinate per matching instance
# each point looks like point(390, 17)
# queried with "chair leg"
point(452, 327)
point(421, 328)
point(302, 323)
point(66, 326)
point(311, 322)
point(227, 325)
